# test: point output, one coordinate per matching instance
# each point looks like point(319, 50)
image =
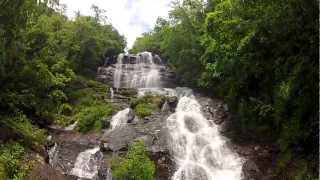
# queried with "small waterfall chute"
point(86, 165)
point(120, 118)
point(118, 71)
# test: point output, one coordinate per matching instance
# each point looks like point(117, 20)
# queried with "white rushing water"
point(120, 118)
point(199, 150)
point(86, 165)
point(118, 71)
point(109, 174)
point(52, 153)
point(144, 72)
point(111, 94)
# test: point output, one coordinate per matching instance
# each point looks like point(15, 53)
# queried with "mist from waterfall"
point(199, 150)
point(141, 73)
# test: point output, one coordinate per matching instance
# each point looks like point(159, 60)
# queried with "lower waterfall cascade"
point(200, 152)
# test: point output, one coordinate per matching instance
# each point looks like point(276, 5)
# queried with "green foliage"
point(11, 157)
point(92, 118)
point(136, 165)
point(93, 41)
point(144, 110)
point(178, 40)
point(20, 127)
point(144, 106)
point(86, 105)
point(40, 52)
point(65, 109)
point(261, 56)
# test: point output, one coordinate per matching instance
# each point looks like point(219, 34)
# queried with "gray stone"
point(250, 169)
point(119, 138)
point(165, 107)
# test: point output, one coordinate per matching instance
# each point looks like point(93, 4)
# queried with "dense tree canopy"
point(42, 52)
point(261, 56)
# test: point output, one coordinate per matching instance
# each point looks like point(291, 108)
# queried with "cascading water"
point(111, 94)
point(142, 72)
point(86, 165)
point(118, 71)
point(120, 118)
point(199, 150)
point(109, 174)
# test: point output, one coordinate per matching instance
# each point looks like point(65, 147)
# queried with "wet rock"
point(119, 138)
point(218, 121)
point(104, 147)
point(164, 165)
point(105, 74)
point(106, 123)
point(165, 107)
point(250, 170)
point(135, 120)
point(43, 172)
point(171, 102)
point(110, 60)
point(126, 92)
point(147, 139)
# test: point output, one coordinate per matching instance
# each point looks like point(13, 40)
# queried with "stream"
point(183, 139)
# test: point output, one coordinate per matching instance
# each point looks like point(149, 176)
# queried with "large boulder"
point(118, 139)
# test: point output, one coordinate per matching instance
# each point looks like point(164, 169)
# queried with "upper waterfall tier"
point(133, 58)
point(143, 70)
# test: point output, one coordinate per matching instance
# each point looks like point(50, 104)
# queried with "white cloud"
point(130, 17)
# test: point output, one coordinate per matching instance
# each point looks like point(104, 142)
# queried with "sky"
point(130, 17)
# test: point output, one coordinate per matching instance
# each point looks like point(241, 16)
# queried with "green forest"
point(261, 57)
point(44, 59)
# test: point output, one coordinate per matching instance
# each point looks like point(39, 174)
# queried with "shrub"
point(11, 166)
point(144, 110)
point(91, 118)
point(86, 105)
point(144, 106)
point(29, 134)
point(136, 165)
point(65, 109)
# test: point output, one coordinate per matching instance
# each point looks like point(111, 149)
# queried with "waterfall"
point(140, 73)
point(118, 71)
point(86, 165)
point(111, 94)
point(52, 153)
point(120, 118)
point(200, 152)
point(109, 174)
